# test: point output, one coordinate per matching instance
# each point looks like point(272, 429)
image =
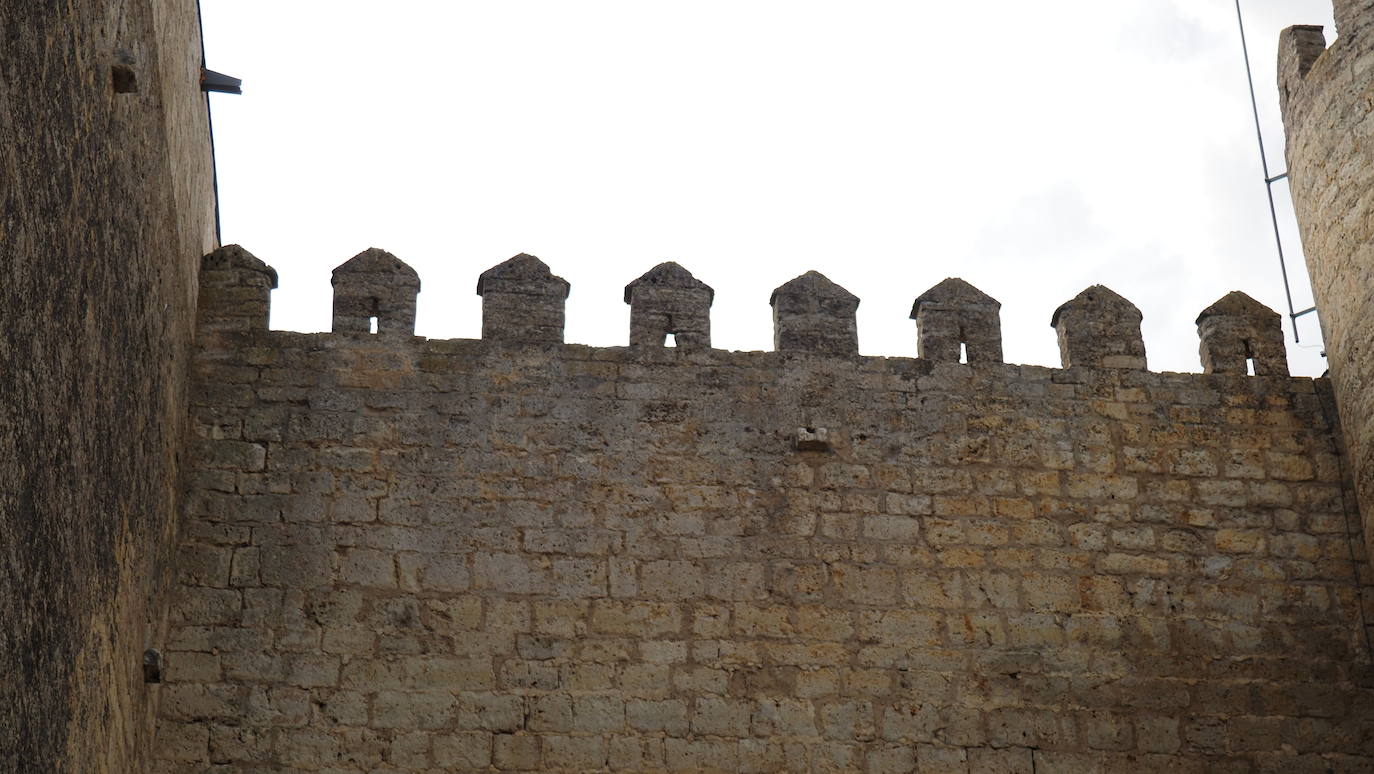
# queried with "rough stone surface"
point(403, 555)
point(1353, 18)
point(1237, 334)
point(955, 316)
point(522, 301)
point(413, 556)
point(235, 292)
point(1099, 329)
point(106, 206)
point(668, 301)
point(1326, 96)
point(813, 314)
point(374, 292)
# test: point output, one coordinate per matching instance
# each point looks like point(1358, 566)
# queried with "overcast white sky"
point(1031, 148)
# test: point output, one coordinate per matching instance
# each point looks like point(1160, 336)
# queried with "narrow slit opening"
point(670, 340)
point(963, 352)
point(372, 325)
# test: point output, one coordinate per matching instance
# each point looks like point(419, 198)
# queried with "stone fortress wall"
point(106, 205)
point(516, 554)
point(1327, 96)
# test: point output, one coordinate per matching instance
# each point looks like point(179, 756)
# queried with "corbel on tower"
point(1237, 329)
point(813, 314)
point(1099, 329)
point(954, 316)
point(235, 291)
point(668, 300)
point(522, 301)
point(375, 285)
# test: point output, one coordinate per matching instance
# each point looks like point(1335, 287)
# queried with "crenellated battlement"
point(374, 292)
point(238, 550)
point(512, 553)
point(523, 302)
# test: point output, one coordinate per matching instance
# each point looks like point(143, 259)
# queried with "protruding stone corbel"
point(668, 300)
point(1238, 329)
point(955, 315)
point(1099, 329)
point(522, 301)
point(813, 314)
point(375, 286)
point(812, 439)
point(235, 291)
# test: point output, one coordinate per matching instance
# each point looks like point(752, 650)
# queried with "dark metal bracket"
point(219, 82)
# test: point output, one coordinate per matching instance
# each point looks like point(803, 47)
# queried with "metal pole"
point(1268, 180)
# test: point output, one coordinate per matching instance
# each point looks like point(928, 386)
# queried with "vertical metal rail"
point(1269, 180)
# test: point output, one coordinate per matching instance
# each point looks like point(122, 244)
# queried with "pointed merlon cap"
point(954, 292)
point(814, 288)
point(522, 301)
point(668, 275)
point(235, 259)
point(522, 274)
point(1237, 329)
point(1238, 304)
point(377, 262)
point(665, 300)
point(235, 291)
point(375, 285)
point(1099, 329)
point(813, 314)
point(955, 315)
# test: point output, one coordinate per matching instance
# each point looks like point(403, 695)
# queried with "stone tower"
point(1326, 94)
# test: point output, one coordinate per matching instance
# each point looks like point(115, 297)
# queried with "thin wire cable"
point(1268, 179)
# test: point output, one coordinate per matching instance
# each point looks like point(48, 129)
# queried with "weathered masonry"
point(364, 551)
point(1326, 95)
point(516, 554)
point(106, 205)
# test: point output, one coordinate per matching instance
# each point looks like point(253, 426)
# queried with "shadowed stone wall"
point(406, 555)
point(105, 207)
point(1326, 96)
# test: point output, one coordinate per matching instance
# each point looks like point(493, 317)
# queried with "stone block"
point(848, 721)
point(410, 750)
point(956, 322)
point(374, 292)
point(577, 753)
point(701, 755)
point(1239, 335)
point(1099, 329)
point(668, 301)
point(522, 301)
point(598, 714)
point(668, 716)
point(183, 742)
point(512, 752)
point(984, 760)
point(235, 291)
point(414, 710)
point(813, 314)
